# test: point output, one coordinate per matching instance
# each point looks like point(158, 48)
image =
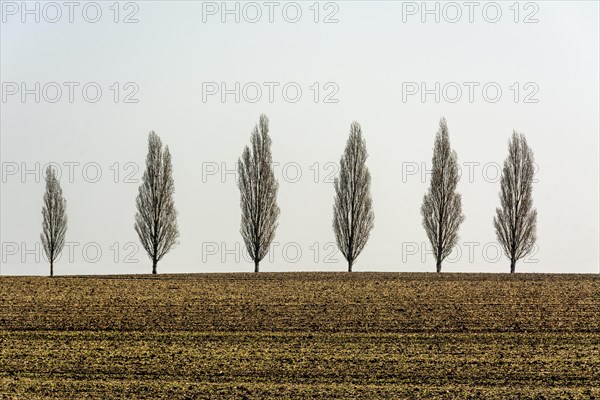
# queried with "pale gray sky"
point(374, 61)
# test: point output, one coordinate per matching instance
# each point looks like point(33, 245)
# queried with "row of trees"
point(515, 220)
point(353, 216)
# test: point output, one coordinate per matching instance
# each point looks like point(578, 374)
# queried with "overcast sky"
point(201, 84)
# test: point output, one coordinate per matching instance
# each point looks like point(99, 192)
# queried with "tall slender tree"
point(516, 219)
point(54, 212)
point(156, 217)
point(442, 208)
point(258, 193)
point(353, 207)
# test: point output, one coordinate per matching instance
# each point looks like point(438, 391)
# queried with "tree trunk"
point(438, 266)
point(512, 266)
point(51, 268)
point(256, 265)
point(350, 265)
point(154, 267)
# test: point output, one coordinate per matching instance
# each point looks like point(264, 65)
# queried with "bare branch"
point(516, 220)
point(54, 212)
point(258, 193)
point(442, 207)
point(156, 217)
point(353, 209)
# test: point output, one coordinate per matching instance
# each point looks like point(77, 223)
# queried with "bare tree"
point(353, 208)
point(54, 212)
point(156, 217)
point(516, 221)
point(258, 193)
point(442, 208)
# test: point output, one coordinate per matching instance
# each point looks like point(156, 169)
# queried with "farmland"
point(301, 335)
